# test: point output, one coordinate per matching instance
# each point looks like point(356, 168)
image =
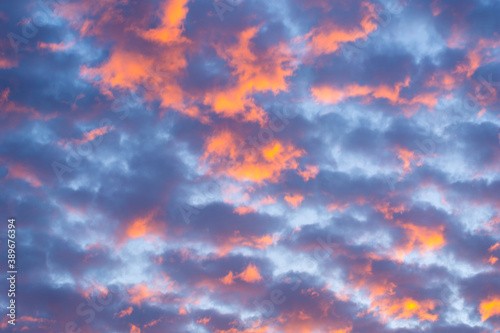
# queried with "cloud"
point(228, 154)
point(319, 166)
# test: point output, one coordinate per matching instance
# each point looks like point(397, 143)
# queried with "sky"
point(250, 166)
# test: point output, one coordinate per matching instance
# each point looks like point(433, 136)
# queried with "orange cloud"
point(172, 23)
point(228, 279)
point(7, 106)
point(224, 155)
point(268, 200)
point(477, 57)
point(263, 72)
point(310, 172)
point(226, 244)
point(4, 323)
point(444, 80)
point(492, 260)
point(158, 73)
point(24, 172)
point(436, 8)
point(237, 240)
point(90, 136)
point(404, 308)
point(242, 210)
point(329, 37)
point(424, 239)
point(472, 63)
point(494, 247)
point(492, 224)
point(35, 320)
point(143, 226)
point(92, 250)
point(388, 210)
point(152, 323)
point(362, 277)
point(203, 320)
point(379, 288)
point(407, 156)
point(332, 94)
point(134, 329)
point(294, 200)
point(140, 293)
point(161, 71)
point(127, 68)
point(344, 330)
point(93, 288)
point(122, 70)
point(457, 38)
point(55, 47)
point(123, 313)
point(251, 274)
point(489, 307)
point(336, 206)
point(6, 63)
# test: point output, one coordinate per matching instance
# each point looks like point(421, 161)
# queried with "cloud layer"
point(252, 166)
